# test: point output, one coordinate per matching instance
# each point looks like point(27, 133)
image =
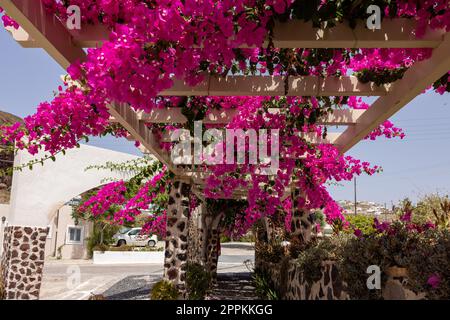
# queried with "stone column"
point(177, 235)
point(195, 236)
point(210, 231)
point(23, 261)
point(303, 225)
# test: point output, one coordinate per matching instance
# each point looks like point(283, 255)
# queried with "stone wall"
point(23, 262)
point(290, 283)
point(204, 238)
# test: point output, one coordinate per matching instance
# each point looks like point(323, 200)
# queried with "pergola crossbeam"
point(138, 131)
point(44, 29)
point(273, 86)
point(395, 33)
point(338, 117)
point(415, 81)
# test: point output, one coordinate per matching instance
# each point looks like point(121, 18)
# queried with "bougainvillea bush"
point(421, 248)
point(151, 43)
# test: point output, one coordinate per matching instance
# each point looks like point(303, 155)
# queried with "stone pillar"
point(303, 225)
point(177, 235)
point(23, 261)
point(195, 248)
point(211, 229)
point(204, 238)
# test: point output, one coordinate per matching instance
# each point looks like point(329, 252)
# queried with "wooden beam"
point(339, 117)
point(166, 115)
point(90, 36)
point(416, 80)
point(44, 29)
point(394, 33)
point(329, 139)
point(310, 137)
point(275, 86)
point(128, 118)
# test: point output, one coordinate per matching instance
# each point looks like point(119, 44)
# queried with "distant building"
point(67, 238)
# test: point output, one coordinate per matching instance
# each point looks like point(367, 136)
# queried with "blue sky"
point(417, 165)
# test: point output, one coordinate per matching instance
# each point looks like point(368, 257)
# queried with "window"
point(134, 232)
point(50, 231)
point(74, 235)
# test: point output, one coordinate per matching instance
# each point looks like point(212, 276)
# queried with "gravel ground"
point(132, 288)
point(230, 286)
point(233, 286)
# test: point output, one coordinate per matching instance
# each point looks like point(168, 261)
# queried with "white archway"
point(36, 194)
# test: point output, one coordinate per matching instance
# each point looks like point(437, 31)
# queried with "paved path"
point(78, 279)
point(233, 286)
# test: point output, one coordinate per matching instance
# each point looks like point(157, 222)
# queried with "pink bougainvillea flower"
point(358, 233)
point(406, 217)
point(434, 281)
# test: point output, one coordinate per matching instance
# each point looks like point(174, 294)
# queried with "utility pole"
point(356, 212)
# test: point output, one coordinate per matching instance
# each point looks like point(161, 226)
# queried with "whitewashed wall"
point(37, 194)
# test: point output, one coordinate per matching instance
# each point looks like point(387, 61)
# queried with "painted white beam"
point(45, 30)
point(338, 117)
point(128, 118)
point(394, 33)
point(416, 80)
point(310, 137)
point(275, 86)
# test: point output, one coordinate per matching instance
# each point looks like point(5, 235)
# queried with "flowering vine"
point(151, 43)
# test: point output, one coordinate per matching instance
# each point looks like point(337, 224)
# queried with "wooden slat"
point(344, 117)
point(339, 117)
point(44, 29)
point(310, 137)
point(329, 139)
point(128, 118)
point(90, 36)
point(275, 86)
point(167, 115)
point(416, 80)
point(394, 33)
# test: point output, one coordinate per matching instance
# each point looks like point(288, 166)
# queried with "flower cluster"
point(7, 21)
point(151, 43)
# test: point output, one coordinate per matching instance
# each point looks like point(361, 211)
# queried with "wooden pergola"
point(39, 29)
point(42, 30)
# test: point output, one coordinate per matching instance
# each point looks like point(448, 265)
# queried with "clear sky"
point(414, 166)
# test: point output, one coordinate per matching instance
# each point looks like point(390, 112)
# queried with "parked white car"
point(133, 237)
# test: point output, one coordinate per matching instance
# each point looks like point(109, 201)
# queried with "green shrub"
point(310, 259)
point(164, 290)
point(101, 248)
point(198, 281)
point(264, 287)
point(101, 237)
point(360, 222)
point(424, 254)
point(121, 248)
point(126, 248)
point(271, 252)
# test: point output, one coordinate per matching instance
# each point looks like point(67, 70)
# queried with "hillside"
point(6, 158)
